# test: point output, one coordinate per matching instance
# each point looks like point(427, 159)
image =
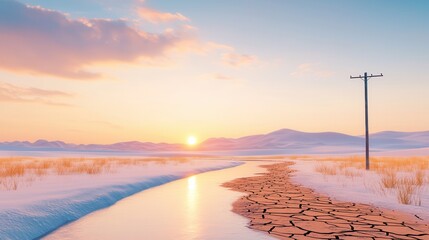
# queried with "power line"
point(365, 79)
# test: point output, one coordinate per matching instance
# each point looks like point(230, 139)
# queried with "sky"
point(105, 71)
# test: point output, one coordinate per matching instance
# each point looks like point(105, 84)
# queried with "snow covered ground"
point(50, 201)
point(361, 186)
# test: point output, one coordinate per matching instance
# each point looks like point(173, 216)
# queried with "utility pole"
point(365, 79)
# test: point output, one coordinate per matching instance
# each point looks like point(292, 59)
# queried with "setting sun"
point(192, 140)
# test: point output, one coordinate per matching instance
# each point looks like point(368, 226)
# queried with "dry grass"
point(388, 179)
point(295, 157)
point(9, 183)
point(352, 173)
point(381, 164)
point(419, 178)
point(326, 169)
point(404, 176)
point(14, 171)
point(405, 193)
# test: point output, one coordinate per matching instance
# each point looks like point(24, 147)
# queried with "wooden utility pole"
point(365, 79)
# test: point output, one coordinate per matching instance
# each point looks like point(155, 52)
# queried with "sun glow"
point(192, 140)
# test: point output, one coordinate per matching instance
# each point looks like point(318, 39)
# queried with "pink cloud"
point(13, 93)
point(40, 41)
point(237, 60)
point(155, 16)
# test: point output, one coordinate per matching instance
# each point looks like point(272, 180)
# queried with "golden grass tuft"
point(13, 170)
point(388, 179)
point(326, 169)
point(352, 173)
point(405, 193)
point(419, 178)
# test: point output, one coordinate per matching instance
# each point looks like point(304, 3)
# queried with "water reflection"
point(192, 185)
point(196, 207)
point(192, 201)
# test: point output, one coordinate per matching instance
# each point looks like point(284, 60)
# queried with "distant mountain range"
point(281, 139)
point(44, 145)
point(286, 138)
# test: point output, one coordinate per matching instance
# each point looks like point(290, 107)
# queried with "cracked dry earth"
point(289, 211)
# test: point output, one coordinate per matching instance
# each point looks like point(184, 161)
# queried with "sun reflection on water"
point(192, 202)
point(192, 185)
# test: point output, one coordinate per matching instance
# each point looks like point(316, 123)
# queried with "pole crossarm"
point(368, 76)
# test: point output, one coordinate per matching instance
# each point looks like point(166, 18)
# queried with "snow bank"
point(361, 189)
point(34, 212)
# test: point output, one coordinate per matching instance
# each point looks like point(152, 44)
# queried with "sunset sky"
point(105, 71)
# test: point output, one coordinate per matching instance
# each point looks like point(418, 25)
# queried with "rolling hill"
point(281, 139)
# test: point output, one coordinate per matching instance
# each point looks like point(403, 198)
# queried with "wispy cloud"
point(237, 60)
point(208, 47)
point(227, 54)
point(13, 93)
point(312, 70)
point(41, 41)
point(155, 16)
